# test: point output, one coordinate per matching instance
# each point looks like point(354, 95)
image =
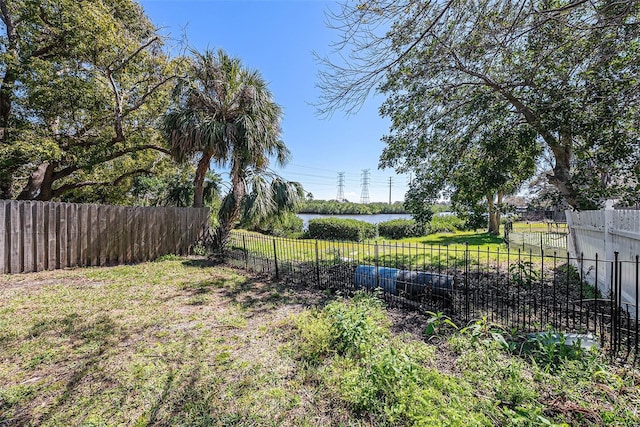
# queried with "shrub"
point(400, 228)
point(286, 225)
point(341, 229)
point(446, 224)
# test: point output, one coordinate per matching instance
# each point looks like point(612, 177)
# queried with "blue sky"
point(278, 38)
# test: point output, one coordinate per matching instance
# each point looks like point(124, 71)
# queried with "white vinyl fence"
point(600, 235)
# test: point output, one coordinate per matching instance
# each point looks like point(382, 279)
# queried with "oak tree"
point(568, 70)
point(82, 85)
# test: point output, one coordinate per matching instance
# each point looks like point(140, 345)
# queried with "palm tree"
point(225, 113)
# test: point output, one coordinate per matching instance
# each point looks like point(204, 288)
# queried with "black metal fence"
point(517, 289)
point(554, 238)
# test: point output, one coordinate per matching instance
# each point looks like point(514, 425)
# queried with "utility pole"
point(390, 190)
point(340, 197)
point(364, 180)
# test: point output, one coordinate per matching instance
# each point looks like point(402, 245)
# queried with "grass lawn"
point(437, 250)
point(473, 239)
point(181, 342)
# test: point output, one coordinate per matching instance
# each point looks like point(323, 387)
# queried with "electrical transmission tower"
point(364, 181)
point(340, 197)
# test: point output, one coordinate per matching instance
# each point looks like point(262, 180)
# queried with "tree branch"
point(68, 187)
point(339, 95)
point(71, 169)
point(147, 94)
point(134, 54)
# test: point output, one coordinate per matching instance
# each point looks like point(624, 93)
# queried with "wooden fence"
point(36, 236)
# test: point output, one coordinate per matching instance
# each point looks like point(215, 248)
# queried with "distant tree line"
point(333, 207)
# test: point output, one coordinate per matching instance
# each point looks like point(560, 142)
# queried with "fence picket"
point(4, 249)
point(15, 241)
point(50, 233)
point(36, 236)
point(39, 237)
point(27, 237)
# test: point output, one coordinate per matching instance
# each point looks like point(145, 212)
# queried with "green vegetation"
point(477, 90)
point(178, 342)
point(81, 89)
point(401, 228)
point(341, 229)
point(471, 378)
point(332, 207)
point(224, 112)
point(446, 224)
point(285, 225)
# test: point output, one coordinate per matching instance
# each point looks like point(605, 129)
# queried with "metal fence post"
point(317, 264)
point(275, 259)
point(614, 301)
point(466, 280)
point(246, 254)
point(637, 299)
point(375, 256)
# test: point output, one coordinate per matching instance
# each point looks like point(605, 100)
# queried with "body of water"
point(373, 219)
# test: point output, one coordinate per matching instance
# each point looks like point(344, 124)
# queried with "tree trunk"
point(562, 147)
point(230, 210)
point(40, 184)
point(561, 178)
point(5, 186)
point(198, 181)
point(494, 214)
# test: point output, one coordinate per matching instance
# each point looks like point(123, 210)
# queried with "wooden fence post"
point(28, 251)
point(15, 237)
point(39, 241)
point(50, 229)
point(4, 231)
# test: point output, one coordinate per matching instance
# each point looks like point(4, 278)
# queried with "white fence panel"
point(601, 234)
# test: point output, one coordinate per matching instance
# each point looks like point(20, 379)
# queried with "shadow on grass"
point(97, 334)
point(203, 286)
point(471, 239)
point(263, 293)
point(195, 400)
point(203, 263)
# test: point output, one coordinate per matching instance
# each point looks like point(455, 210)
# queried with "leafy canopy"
point(566, 70)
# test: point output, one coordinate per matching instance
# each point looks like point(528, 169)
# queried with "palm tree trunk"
point(230, 211)
point(198, 180)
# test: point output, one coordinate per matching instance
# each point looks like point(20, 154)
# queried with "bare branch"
point(134, 54)
point(149, 92)
point(361, 80)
